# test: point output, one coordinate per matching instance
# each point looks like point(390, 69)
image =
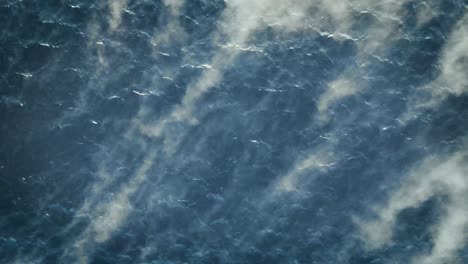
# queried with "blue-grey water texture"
point(210, 131)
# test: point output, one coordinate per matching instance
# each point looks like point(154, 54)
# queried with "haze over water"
point(236, 131)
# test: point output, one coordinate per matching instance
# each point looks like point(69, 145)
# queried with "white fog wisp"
point(452, 80)
point(116, 8)
point(434, 177)
point(317, 108)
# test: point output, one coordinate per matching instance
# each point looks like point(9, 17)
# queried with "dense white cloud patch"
point(436, 176)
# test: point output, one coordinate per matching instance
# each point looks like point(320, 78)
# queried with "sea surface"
point(235, 131)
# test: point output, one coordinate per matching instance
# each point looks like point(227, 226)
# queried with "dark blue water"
point(268, 131)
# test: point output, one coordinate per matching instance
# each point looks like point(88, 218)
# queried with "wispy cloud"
point(454, 62)
point(425, 13)
point(239, 22)
point(108, 215)
point(336, 91)
point(452, 80)
point(173, 31)
point(309, 167)
point(116, 8)
point(436, 176)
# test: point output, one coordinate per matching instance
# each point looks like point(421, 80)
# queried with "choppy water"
point(268, 131)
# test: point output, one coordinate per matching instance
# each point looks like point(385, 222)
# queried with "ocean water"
point(210, 131)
